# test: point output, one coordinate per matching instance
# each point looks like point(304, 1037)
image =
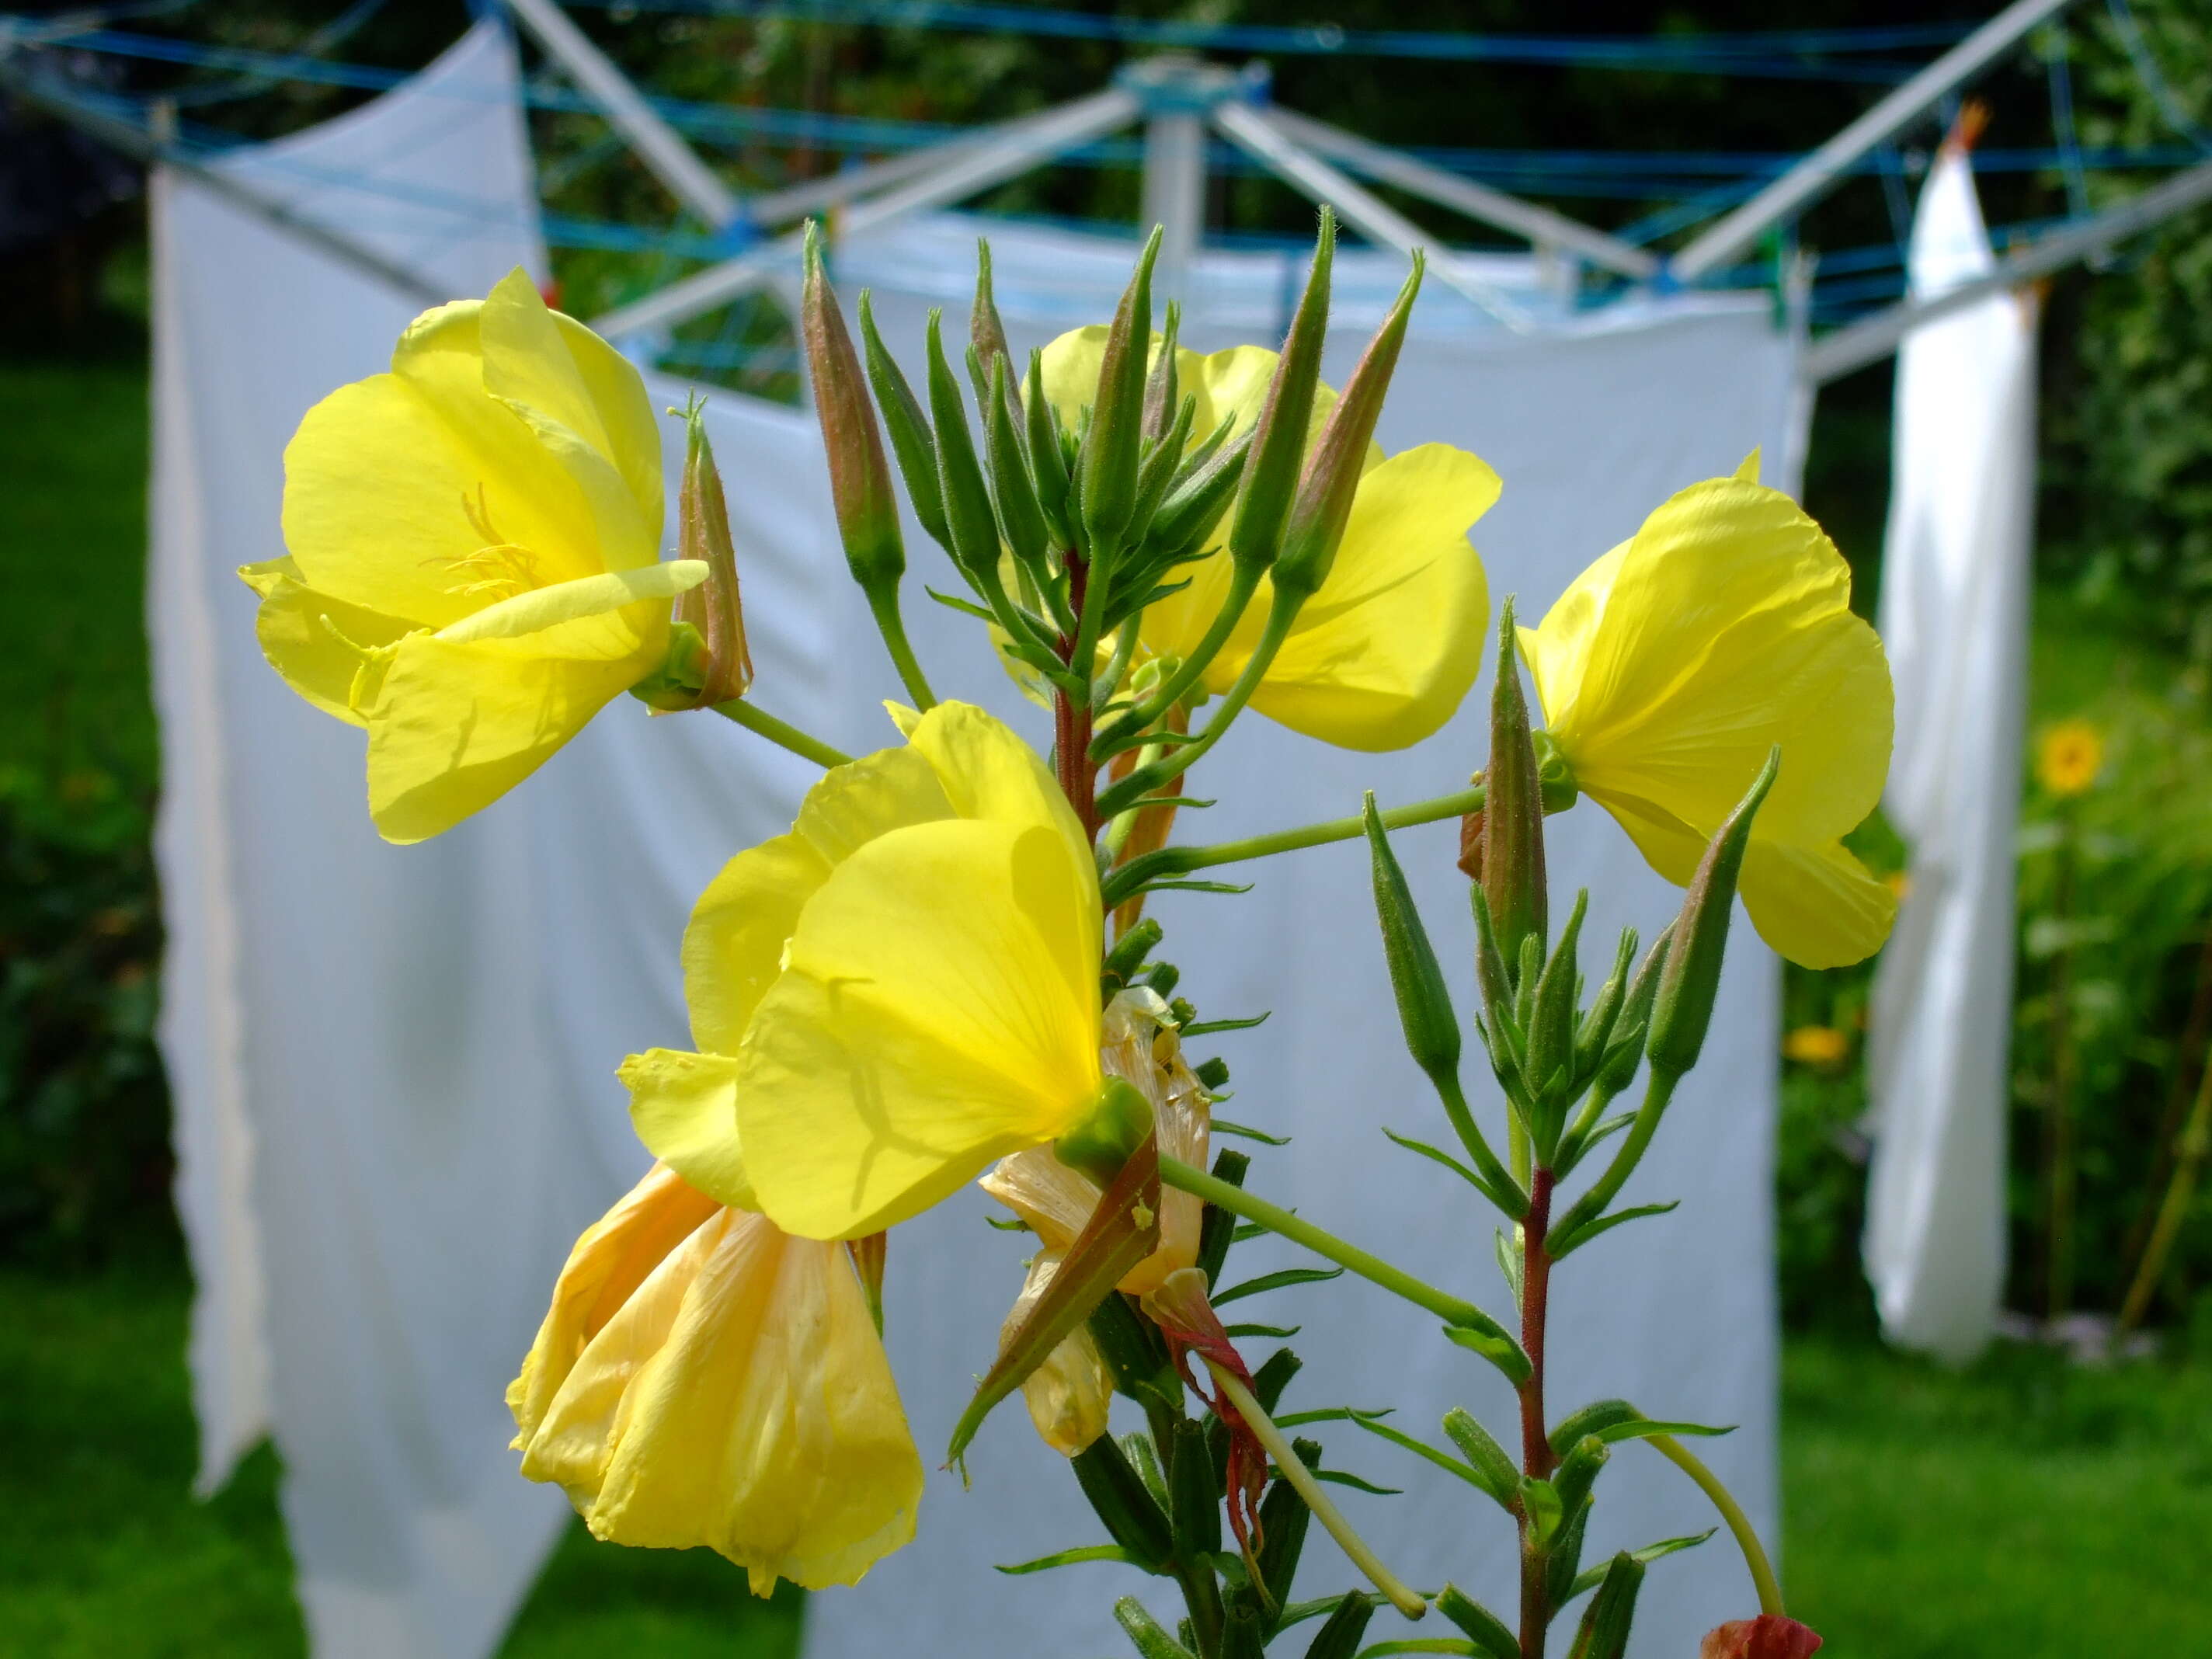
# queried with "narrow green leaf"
point(1604, 1632)
point(1437, 1155)
point(1339, 1477)
point(1222, 1125)
point(1073, 1557)
point(1586, 1582)
point(1509, 1260)
point(1489, 1632)
point(1614, 1421)
point(1420, 1644)
point(1582, 1235)
point(1278, 1333)
point(1278, 1281)
point(1299, 1612)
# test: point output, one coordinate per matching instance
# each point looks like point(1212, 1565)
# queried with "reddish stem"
point(1536, 1460)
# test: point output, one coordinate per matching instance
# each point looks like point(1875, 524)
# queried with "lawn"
point(2021, 1510)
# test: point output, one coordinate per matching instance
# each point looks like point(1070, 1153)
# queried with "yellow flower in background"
point(474, 544)
point(900, 990)
point(1816, 1045)
point(703, 1378)
point(2069, 757)
point(1384, 652)
point(1671, 666)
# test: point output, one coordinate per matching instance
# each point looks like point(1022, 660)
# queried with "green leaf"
point(1614, 1420)
point(1299, 1612)
point(1509, 1262)
point(1437, 1155)
point(1222, 1125)
point(1479, 1479)
point(1073, 1557)
point(1276, 1281)
point(1604, 1632)
point(1124, 1504)
point(1488, 1631)
point(962, 605)
point(1491, 1340)
point(1421, 1644)
point(1589, 1581)
point(1583, 1234)
point(1501, 1480)
point(1275, 1332)
point(1338, 1477)
point(1209, 1027)
point(1539, 1502)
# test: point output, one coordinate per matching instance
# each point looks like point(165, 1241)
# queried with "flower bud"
point(1021, 516)
point(1683, 1007)
point(1624, 1050)
point(702, 531)
point(1110, 449)
point(1512, 810)
point(1341, 1636)
point(1332, 475)
point(1425, 1007)
point(1279, 437)
point(1490, 1636)
point(1199, 497)
point(909, 429)
point(859, 476)
point(1163, 388)
point(1124, 1505)
point(1120, 1122)
point(986, 335)
point(1193, 1493)
point(1604, 1631)
point(1550, 1062)
point(968, 512)
point(1047, 460)
point(1770, 1635)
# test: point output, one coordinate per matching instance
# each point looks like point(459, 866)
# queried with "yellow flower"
point(1816, 1045)
point(1383, 653)
point(703, 1377)
point(1068, 1395)
point(2069, 757)
point(900, 990)
point(474, 540)
point(1672, 665)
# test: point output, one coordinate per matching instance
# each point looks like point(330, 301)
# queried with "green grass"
point(104, 1553)
point(2028, 1508)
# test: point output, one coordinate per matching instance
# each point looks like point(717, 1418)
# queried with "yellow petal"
point(586, 597)
point(1070, 1395)
point(317, 643)
point(455, 725)
point(1055, 1200)
point(684, 1109)
point(1382, 656)
point(1818, 906)
point(940, 1010)
point(739, 1399)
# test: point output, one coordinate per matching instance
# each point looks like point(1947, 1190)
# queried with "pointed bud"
point(1490, 1636)
point(1605, 1621)
point(1317, 517)
point(1596, 1028)
point(986, 335)
point(968, 512)
point(1624, 1050)
point(1194, 1494)
point(1279, 437)
point(1199, 497)
point(1163, 390)
point(702, 531)
point(1550, 1063)
point(1110, 449)
point(1340, 1635)
point(909, 429)
point(859, 476)
point(1048, 460)
point(1013, 493)
point(1158, 472)
point(1425, 1008)
point(1512, 810)
point(1146, 1633)
point(1683, 1007)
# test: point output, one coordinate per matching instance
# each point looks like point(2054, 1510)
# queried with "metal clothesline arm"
point(1257, 134)
point(974, 166)
point(141, 146)
point(1537, 225)
point(1875, 337)
point(659, 145)
point(1813, 176)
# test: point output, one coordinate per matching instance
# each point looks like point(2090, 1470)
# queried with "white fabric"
point(418, 1044)
point(1591, 423)
point(1955, 618)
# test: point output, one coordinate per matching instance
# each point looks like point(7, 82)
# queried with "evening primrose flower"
point(2069, 757)
point(1672, 666)
point(900, 990)
point(704, 1378)
point(474, 556)
point(1385, 650)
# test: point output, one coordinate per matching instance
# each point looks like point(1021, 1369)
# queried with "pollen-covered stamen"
point(1180, 1308)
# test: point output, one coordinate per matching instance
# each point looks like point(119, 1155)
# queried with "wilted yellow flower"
point(1383, 653)
point(1671, 666)
point(900, 990)
point(703, 1377)
point(1816, 1045)
point(474, 543)
point(2069, 757)
point(1070, 1395)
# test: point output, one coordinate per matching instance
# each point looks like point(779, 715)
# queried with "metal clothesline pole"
point(1875, 337)
point(1256, 132)
point(1813, 176)
point(143, 146)
point(972, 167)
point(664, 152)
point(1537, 225)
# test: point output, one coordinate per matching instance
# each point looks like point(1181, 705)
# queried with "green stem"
point(1142, 782)
point(1170, 861)
point(882, 603)
point(1658, 1090)
point(1478, 1146)
point(2195, 1141)
point(1238, 1202)
point(1292, 1468)
point(1738, 1524)
point(1117, 666)
point(753, 718)
point(1243, 582)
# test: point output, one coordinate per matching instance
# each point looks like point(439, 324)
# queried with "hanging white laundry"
point(1955, 593)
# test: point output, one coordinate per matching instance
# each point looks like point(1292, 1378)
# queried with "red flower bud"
point(1770, 1635)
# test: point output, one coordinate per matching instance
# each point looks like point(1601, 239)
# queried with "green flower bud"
point(1487, 1630)
point(1279, 437)
point(1110, 449)
point(1683, 1007)
point(909, 429)
point(1158, 472)
point(1341, 1632)
point(1317, 517)
point(968, 511)
point(1048, 460)
point(1604, 1631)
point(1194, 1496)
point(986, 335)
point(1198, 498)
point(859, 476)
point(1146, 1633)
point(1021, 515)
point(1596, 1028)
point(1512, 810)
point(1624, 1050)
point(1550, 1059)
point(1425, 1007)
point(1124, 1504)
point(1118, 1124)
point(1162, 389)
point(1578, 1471)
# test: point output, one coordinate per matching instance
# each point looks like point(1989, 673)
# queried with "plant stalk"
point(1731, 1512)
point(1535, 1445)
point(2058, 1135)
point(2173, 1210)
point(753, 718)
point(884, 605)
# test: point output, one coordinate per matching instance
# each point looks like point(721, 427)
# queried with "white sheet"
point(417, 1045)
point(1954, 617)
